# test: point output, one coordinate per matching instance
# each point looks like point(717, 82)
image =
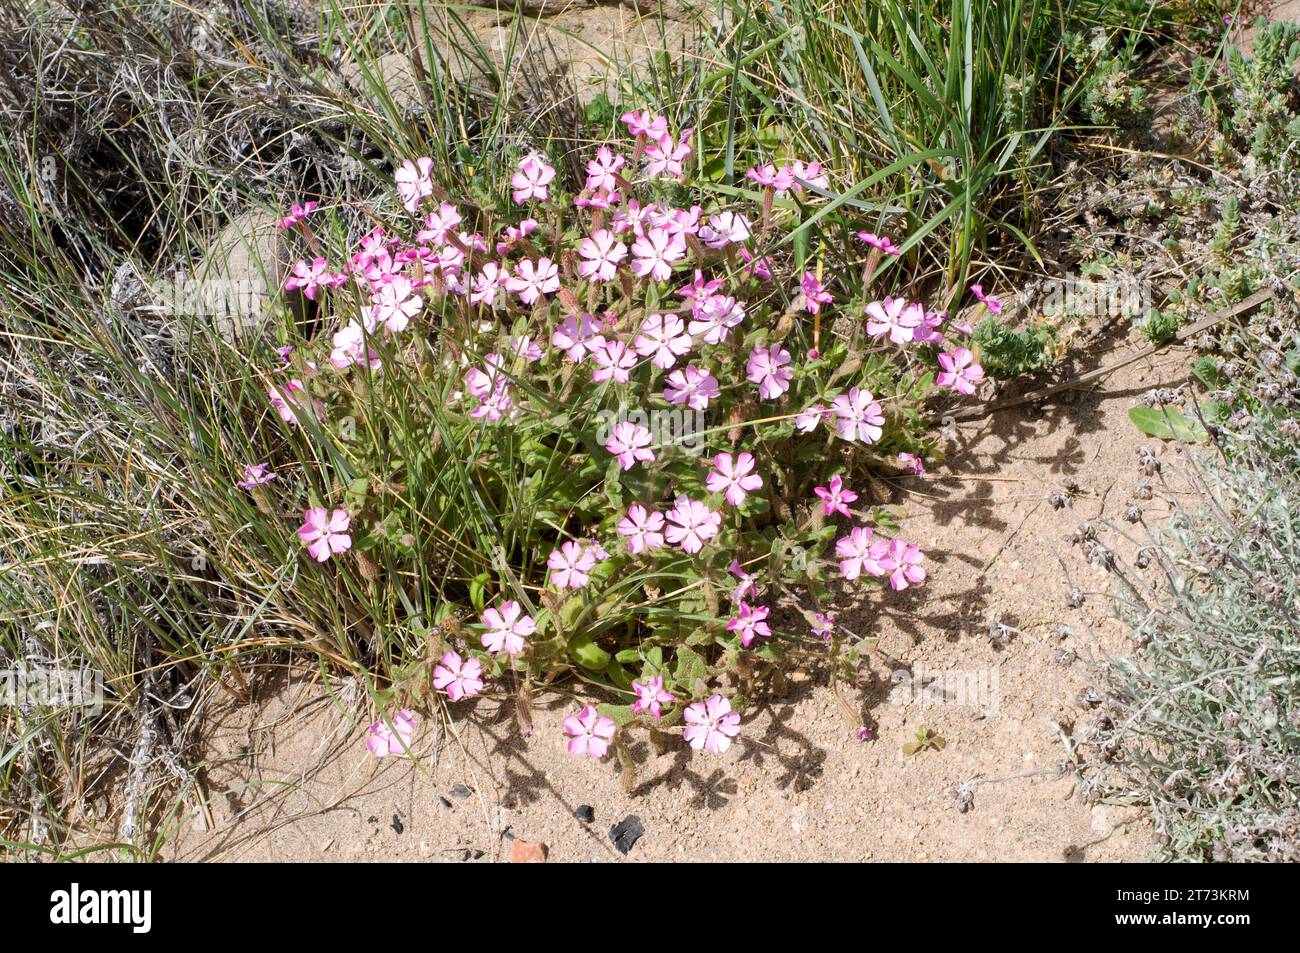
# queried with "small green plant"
point(1110, 94)
point(926, 740)
point(1160, 327)
point(1255, 101)
point(1007, 354)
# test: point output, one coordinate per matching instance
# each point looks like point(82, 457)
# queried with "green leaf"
point(1167, 424)
point(621, 714)
point(690, 666)
point(588, 653)
point(477, 590)
point(619, 676)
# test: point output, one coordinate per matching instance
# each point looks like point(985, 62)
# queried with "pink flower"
point(533, 179)
point(602, 252)
point(813, 173)
point(458, 678)
point(487, 284)
point(524, 346)
point(631, 218)
point(496, 404)
point(376, 269)
point(745, 587)
point(835, 497)
point(823, 625)
point(859, 416)
point(927, 328)
point(577, 337)
point(414, 181)
point(734, 478)
point(859, 553)
point(438, 224)
point(384, 739)
point(614, 362)
point(643, 529)
point(691, 523)
point(760, 268)
point(589, 732)
point(646, 124)
point(778, 179)
point(570, 565)
point(326, 534)
point(807, 420)
point(284, 401)
point(902, 562)
point(602, 171)
point(481, 382)
point(767, 368)
point(663, 339)
point(715, 316)
point(678, 221)
point(710, 725)
point(750, 622)
point(349, 347)
point(895, 317)
point(310, 277)
point(654, 254)
point(507, 628)
point(395, 305)
point(725, 228)
point(814, 294)
point(296, 214)
point(255, 474)
point(530, 281)
point(587, 199)
point(514, 234)
point(913, 463)
point(651, 696)
point(960, 372)
point(692, 387)
point(993, 304)
point(630, 443)
point(699, 289)
point(666, 156)
point(881, 242)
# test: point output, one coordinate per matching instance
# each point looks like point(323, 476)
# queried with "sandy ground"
point(289, 779)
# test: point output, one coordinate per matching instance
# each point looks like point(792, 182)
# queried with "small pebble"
point(626, 833)
point(585, 813)
point(524, 852)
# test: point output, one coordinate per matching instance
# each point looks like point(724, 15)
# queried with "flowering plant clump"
point(605, 431)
